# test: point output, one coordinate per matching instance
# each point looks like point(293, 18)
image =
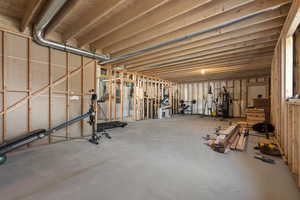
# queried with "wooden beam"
point(186, 19)
point(293, 20)
point(244, 41)
point(209, 17)
point(260, 22)
point(100, 11)
point(216, 63)
point(220, 63)
point(32, 8)
point(65, 12)
point(110, 93)
point(200, 65)
point(164, 12)
point(246, 34)
point(131, 10)
point(114, 87)
point(205, 55)
point(68, 86)
point(29, 87)
point(82, 95)
point(122, 96)
point(4, 88)
point(232, 75)
point(50, 92)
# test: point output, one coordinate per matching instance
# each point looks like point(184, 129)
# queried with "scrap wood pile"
point(231, 138)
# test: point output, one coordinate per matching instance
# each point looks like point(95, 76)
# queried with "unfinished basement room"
point(150, 99)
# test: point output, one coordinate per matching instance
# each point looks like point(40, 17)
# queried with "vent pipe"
point(53, 8)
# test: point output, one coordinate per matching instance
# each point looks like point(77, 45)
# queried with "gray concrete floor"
point(153, 159)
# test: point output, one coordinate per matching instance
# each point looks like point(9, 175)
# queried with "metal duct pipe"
point(125, 57)
point(39, 29)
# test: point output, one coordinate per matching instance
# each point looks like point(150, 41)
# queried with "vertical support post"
point(29, 87)
point(151, 99)
point(50, 94)
point(122, 96)
point(139, 97)
point(143, 97)
point(177, 98)
point(148, 96)
point(115, 95)
point(96, 88)
point(68, 93)
point(110, 93)
point(82, 97)
point(156, 106)
point(289, 51)
point(135, 86)
point(4, 97)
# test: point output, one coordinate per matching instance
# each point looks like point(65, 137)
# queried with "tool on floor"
point(268, 147)
point(264, 159)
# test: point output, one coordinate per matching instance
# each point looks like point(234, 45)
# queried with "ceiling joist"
point(245, 40)
point(30, 12)
point(201, 22)
point(169, 38)
point(270, 19)
point(111, 45)
point(134, 9)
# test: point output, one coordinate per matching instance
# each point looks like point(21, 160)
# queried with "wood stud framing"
point(48, 89)
point(50, 93)
point(233, 45)
point(29, 87)
point(4, 94)
point(285, 114)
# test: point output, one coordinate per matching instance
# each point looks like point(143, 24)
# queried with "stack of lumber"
point(245, 124)
point(255, 115)
point(224, 139)
point(240, 141)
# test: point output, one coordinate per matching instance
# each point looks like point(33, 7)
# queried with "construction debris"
point(233, 137)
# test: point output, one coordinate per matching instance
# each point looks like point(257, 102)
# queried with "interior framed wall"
point(132, 96)
point(42, 87)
